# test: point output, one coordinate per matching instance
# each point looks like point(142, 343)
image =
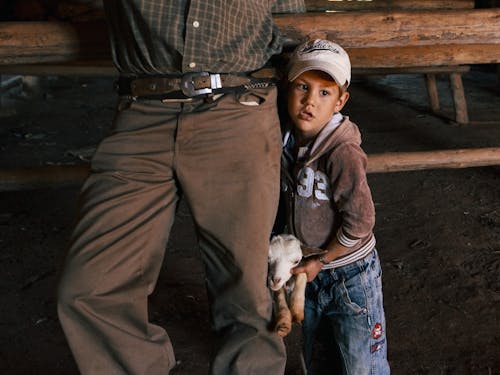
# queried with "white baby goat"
point(286, 252)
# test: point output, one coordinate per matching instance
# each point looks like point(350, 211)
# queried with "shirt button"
point(192, 64)
point(196, 24)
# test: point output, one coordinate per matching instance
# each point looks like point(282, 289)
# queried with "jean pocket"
point(353, 296)
point(257, 97)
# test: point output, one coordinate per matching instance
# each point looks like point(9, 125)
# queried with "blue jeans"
point(344, 306)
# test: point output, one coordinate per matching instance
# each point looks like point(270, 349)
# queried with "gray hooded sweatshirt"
point(326, 190)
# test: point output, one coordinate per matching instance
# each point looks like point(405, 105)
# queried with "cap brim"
point(335, 72)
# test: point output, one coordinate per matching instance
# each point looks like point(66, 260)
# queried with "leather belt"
point(192, 85)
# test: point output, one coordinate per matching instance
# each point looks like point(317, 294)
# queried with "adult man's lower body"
point(225, 157)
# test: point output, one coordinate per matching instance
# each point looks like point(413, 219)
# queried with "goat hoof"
point(283, 329)
point(298, 316)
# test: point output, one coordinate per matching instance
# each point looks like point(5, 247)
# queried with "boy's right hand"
point(311, 267)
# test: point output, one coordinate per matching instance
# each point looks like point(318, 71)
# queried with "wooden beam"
point(16, 179)
point(415, 56)
point(397, 29)
point(457, 88)
point(40, 42)
point(374, 39)
point(355, 5)
point(432, 91)
point(92, 68)
point(438, 159)
point(412, 70)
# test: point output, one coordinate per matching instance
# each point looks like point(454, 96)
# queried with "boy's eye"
point(302, 86)
point(324, 93)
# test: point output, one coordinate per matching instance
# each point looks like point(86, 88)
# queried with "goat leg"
point(297, 297)
point(283, 316)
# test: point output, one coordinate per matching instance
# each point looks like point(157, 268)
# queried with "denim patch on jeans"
point(344, 312)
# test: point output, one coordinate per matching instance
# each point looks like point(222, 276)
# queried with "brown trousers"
point(225, 158)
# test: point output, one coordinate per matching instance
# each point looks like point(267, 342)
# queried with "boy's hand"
point(311, 267)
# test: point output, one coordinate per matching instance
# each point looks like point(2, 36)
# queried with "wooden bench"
point(378, 41)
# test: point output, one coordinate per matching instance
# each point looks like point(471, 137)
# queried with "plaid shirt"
point(179, 36)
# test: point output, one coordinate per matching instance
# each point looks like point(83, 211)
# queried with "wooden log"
point(356, 5)
point(16, 179)
point(92, 68)
point(457, 88)
point(438, 159)
point(373, 39)
point(410, 70)
point(39, 42)
point(396, 28)
point(432, 91)
point(415, 56)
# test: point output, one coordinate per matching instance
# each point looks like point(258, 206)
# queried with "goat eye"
point(297, 261)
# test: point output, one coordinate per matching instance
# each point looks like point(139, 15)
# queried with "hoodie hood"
point(339, 130)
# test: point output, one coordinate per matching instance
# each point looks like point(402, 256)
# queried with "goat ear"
point(308, 251)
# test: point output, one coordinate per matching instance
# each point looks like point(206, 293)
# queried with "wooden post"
point(430, 83)
point(459, 101)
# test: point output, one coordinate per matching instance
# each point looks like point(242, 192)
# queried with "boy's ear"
point(344, 97)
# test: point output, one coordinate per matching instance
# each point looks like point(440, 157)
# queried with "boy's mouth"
point(304, 115)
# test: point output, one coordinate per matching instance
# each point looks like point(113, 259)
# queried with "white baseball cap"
point(323, 55)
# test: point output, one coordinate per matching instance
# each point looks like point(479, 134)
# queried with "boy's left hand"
point(311, 267)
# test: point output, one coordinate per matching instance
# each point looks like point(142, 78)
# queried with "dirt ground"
point(438, 231)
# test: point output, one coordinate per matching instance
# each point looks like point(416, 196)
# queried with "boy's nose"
point(309, 99)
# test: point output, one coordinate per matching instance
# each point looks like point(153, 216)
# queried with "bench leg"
point(457, 87)
point(430, 83)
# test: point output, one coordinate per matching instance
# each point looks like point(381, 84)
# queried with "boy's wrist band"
point(322, 260)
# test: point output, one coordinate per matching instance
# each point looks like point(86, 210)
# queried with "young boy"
point(330, 207)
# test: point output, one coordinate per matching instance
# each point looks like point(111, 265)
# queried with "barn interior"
point(431, 132)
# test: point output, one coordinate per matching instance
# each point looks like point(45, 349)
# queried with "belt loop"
point(215, 81)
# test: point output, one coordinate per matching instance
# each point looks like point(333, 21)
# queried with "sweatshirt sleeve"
point(351, 193)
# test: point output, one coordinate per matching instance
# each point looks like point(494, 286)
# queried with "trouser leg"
point(359, 319)
point(312, 317)
point(228, 164)
point(127, 209)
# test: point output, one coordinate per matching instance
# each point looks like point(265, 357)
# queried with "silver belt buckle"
point(187, 84)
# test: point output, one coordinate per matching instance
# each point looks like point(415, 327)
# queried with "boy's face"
point(313, 98)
